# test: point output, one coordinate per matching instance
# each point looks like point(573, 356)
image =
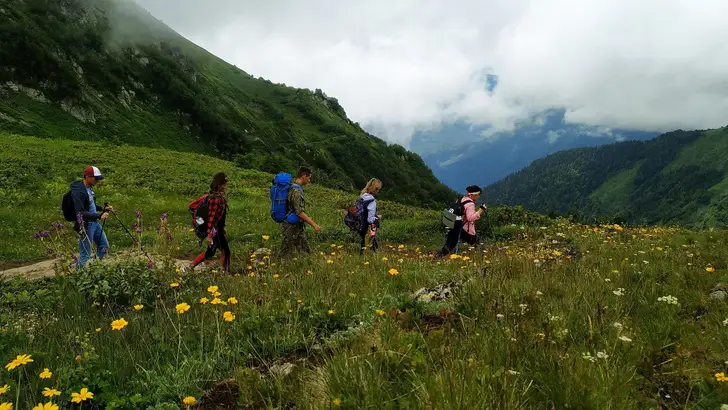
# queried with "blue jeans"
point(94, 234)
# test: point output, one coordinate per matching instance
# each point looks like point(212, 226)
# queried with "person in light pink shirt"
point(464, 229)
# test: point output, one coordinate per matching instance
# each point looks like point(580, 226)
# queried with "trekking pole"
point(103, 224)
point(130, 235)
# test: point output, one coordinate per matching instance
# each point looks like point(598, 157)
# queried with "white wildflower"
point(669, 299)
point(725, 322)
point(607, 280)
point(625, 339)
point(513, 373)
point(538, 293)
point(619, 292)
point(499, 316)
point(589, 357)
point(602, 355)
point(618, 325)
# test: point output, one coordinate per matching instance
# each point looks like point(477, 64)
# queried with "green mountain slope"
point(679, 177)
point(107, 70)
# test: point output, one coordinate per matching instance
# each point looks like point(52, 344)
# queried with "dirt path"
point(46, 269)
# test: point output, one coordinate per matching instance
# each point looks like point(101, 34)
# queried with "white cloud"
point(400, 66)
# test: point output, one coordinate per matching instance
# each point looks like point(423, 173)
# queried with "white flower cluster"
point(619, 292)
point(669, 299)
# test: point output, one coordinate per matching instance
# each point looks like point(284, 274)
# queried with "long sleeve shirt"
point(469, 216)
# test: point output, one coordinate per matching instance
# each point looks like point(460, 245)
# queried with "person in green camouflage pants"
point(294, 234)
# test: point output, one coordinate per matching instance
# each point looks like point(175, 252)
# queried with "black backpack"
point(200, 209)
point(356, 216)
point(68, 208)
point(451, 214)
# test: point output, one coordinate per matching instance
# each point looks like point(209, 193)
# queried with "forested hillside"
point(679, 177)
point(108, 70)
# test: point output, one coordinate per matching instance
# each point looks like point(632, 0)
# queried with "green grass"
point(516, 334)
point(37, 172)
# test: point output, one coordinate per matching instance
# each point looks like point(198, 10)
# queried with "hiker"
point(212, 228)
point(369, 204)
point(464, 228)
point(294, 215)
point(88, 215)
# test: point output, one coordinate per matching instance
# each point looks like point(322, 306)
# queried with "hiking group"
point(288, 208)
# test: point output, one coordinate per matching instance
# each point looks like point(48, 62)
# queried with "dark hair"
point(217, 181)
point(473, 188)
point(304, 171)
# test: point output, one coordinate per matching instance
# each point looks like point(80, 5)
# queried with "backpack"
point(68, 208)
point(278, 198)
point(199, 209)
point(454, 213)
point(356, 216)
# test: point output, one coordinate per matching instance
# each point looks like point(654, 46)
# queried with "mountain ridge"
point(77, 69)
point(668, 180)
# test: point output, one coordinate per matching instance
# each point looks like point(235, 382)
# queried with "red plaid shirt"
point(215, 211)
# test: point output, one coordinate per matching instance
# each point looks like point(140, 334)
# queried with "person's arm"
point(213, 209)
point(305, 218)
point(87, 216)
point(372, 212)
point(471, 215)
point(298, 208)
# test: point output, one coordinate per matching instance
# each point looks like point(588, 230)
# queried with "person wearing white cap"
point(88, 215)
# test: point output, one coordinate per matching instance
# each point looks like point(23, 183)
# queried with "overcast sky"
point(402, 65)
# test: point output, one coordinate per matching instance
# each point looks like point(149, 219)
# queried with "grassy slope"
point(36, 173)
point(516, 333)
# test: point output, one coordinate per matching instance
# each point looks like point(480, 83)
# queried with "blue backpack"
point(278, 194)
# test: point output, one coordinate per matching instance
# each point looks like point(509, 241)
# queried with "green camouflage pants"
point(294, 237)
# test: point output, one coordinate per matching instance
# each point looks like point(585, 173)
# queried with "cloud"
point(408, 65)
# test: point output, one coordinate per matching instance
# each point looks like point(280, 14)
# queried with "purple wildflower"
point(44, 234)
point(139, 231)
point(50, 251)
point(138, 213)
point(150, 264)
point(36, 236)
point(74, 257)
point(164, 216)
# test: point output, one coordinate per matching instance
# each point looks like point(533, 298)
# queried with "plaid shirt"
point(216, 211)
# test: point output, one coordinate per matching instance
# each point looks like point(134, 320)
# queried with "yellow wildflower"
point(119, 324)
point(83, 395)
point(50, 392)
point(275, 276)
point(380, 312)
point(182, 308)
point(4, 389)
point(47, 406)
point(189, 400)
point(266, 237)
point(6, 406)
point(174, 285)
point(710, 269)
point(228, 316)
point(212, 289)
point(332, 312)
point(20, 360)
point(329, 261)
point(232, 301)
point(138, 307)
point(203, 300)
point(337, 402)
point(216, 301)
point(47, 374)
point(393, 272)
point(720, 377)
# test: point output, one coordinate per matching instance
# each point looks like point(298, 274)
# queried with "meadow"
point(546, 314)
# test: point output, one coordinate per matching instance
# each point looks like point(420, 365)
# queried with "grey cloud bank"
point(410, 65)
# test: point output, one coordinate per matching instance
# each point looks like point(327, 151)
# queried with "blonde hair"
point(372, 185)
